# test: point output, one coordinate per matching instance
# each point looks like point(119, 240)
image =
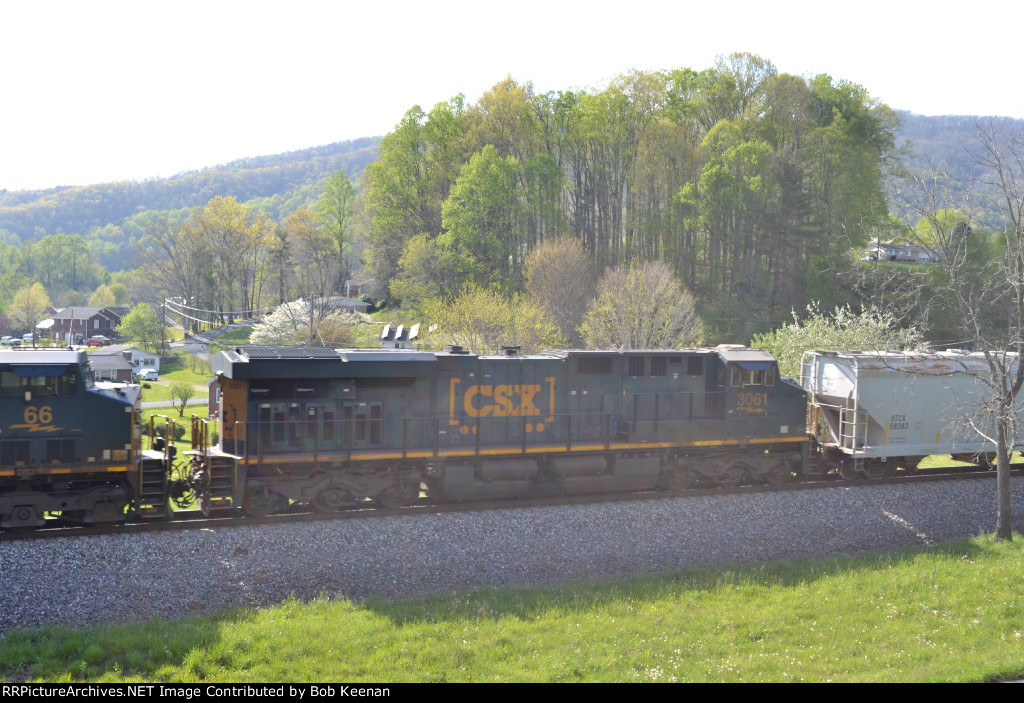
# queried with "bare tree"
point(561, 278)
point(642, 307)
point(980, 280)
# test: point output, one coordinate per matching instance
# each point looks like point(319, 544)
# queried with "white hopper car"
point(876, 411)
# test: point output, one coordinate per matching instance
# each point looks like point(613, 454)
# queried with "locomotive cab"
point(67, 444)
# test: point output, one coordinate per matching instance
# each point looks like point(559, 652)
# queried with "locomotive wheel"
point(730, 478)
point(332, 499)
point(678, 478)
point(393, 497)
point(778, 475)
point(259, 502)
point(105, 512)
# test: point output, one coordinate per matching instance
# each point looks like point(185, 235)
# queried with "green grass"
point(182, 366)
point(172, 412)
point(948, 613)
point(230, 339)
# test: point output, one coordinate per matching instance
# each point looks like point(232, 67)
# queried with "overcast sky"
point(104, 91)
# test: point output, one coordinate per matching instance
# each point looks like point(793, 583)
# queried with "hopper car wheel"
point(847, 471)
point(332, 499)
point(877, 468)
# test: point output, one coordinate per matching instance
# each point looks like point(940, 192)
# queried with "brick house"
point(74, 324)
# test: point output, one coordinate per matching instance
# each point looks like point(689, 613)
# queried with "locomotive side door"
point(363, 423)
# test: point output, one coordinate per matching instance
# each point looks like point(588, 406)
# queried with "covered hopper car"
point(875, 412)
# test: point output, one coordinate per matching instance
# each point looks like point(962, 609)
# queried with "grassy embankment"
point(947, 613)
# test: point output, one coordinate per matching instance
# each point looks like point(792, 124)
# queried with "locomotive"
point(334, 429)
point(68, 445)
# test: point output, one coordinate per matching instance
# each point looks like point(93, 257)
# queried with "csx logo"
point(500, 401)
point(506, 400)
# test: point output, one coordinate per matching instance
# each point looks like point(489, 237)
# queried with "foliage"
point(334, 211)
point(840, 329)
point(30, 305)
point(142, 326)
point(102, 297)
point(283, 326)
point(483, 321)
point(641, 307)
point(562, 278)
point(181, 393)
point(289, 324)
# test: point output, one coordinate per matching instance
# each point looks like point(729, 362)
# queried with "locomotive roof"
point(40, 356)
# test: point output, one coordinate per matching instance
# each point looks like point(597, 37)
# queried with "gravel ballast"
point(85, 580)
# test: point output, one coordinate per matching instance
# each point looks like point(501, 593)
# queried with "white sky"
point(102, 91)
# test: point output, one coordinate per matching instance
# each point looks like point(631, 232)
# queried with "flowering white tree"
point(289, 324)
point(871, 330)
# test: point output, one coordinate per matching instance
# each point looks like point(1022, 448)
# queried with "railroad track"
point(194, 519)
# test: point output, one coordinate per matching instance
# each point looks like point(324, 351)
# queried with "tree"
point(839, 329)
point(484, 321)
point(985, 293)
point(142, 326)
point(334, 211)
point(283, 326)
point(641, 307)
point(561, 278)
point(30, 306)
point(314, 254)
point(102, 297)
point(181, 393)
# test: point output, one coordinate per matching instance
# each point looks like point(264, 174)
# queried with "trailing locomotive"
point(334, 428)
point(67, 445)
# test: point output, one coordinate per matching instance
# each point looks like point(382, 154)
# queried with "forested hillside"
point(741, 191)
point(112, 217)
point(750, 185)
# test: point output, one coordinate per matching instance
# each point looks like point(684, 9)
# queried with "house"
point(900, 252)
point(74, 324)
point(110, 367)
point(339, 303)
point(357, 289)
point(137, 358)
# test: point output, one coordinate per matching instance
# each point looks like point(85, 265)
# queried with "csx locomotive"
point(336, 427)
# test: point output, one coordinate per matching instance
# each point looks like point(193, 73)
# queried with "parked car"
point(10, 341)
point(28, 338)
point(148, 375)
point(97, 340)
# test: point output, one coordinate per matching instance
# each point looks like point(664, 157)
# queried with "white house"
point(138, 358)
